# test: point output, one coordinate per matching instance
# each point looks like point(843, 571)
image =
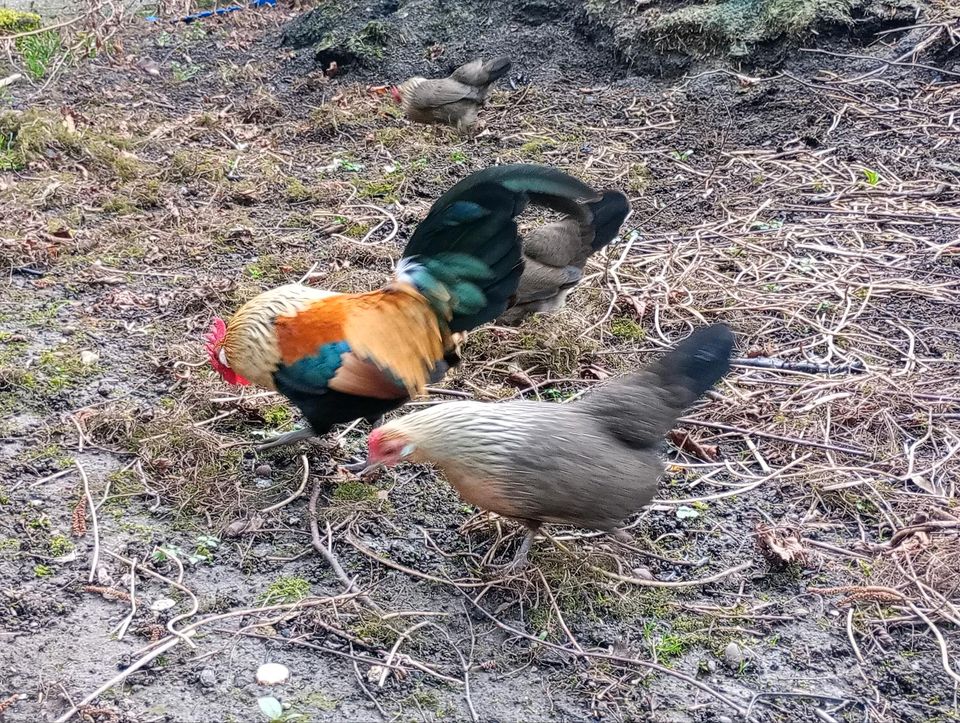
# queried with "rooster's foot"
point(362, 469)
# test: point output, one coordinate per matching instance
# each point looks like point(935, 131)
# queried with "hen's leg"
point(287, 438)
point(520, 560)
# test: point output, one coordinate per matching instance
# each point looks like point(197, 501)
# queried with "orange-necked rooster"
point(341, 357)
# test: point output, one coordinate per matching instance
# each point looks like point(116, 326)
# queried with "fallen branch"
point(327, 551)
point(608, 657)
point(186, 633)
point(765, 362)
point(295, 495)
point(855, 451)
point(93, 521)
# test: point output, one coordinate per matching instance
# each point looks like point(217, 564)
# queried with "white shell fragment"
point(161, 604)
point(272, 673)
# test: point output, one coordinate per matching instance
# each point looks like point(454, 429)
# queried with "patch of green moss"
point(533, 149)
point(50, 453)
point(296, 190)
point(9, 545)
point(285, 590)
point(319, 700)
point(638, 177)
point(277, 415)
point(185, 166)
point(627, 329)
point(354, 492)
point(59, 545)
point(384, 188)
point(369, 42)
point(13, 22)
point(390, 136)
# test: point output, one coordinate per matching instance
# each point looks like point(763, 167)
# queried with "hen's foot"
point(521, 560)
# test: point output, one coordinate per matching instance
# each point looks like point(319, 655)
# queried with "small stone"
point(264, 471)
point(207, 678)
point(724, 719)
point(272, 674)
point(712, 666)
point(643, 573)
point(801, 612)
point(88, 357)
point(161, 604)
point(374, 673)
point(733, 656)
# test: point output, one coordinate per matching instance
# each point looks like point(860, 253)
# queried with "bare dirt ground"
point(802, 562)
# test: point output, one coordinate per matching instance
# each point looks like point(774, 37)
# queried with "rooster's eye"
point(222, 356)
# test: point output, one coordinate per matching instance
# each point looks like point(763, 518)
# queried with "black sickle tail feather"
point(475, 218)
point(608, 214)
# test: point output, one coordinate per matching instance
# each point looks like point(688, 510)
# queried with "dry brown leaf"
point(684, 440)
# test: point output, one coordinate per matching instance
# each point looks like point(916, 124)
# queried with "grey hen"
point(592, 462)
point(455, 100)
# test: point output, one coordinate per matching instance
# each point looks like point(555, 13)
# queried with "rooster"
point(592, 462)
point(556, 254)
point(453, 101)
point(342, 357)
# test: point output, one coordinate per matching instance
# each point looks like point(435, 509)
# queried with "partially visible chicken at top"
point(592, 462)
point(455, 100)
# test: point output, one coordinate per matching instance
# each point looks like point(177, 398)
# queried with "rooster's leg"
point(363, 464)
point(287, 438)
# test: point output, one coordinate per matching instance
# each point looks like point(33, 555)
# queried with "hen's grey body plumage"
point(592, 462)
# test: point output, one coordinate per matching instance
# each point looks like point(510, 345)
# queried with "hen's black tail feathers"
point(640, 408)
point(475, 219)
point(479, 73)
point(698, 362)
point(608, 215)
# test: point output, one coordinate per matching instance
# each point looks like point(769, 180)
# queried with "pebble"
point(724, 719)
point(643, 573)
point(272, 674)
point(207, 678)
point(264, 471)
point(161, 604)
point(712, 666)
point(733, 656)
point(88, 357)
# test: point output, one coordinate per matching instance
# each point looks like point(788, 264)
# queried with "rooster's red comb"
point(214, 336)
